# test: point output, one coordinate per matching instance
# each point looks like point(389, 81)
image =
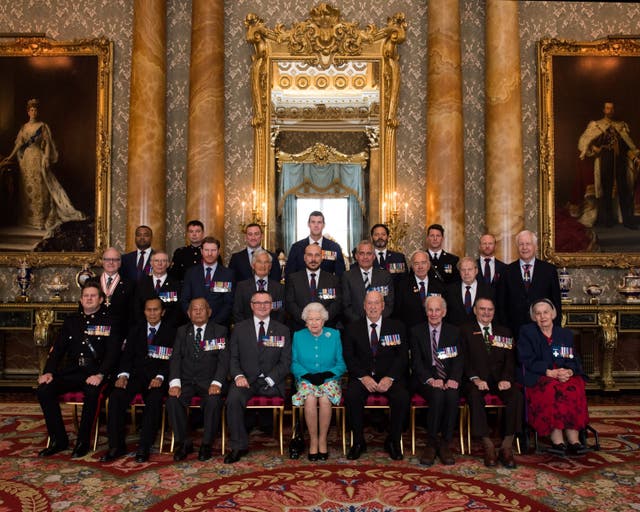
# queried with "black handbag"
point(296, 445)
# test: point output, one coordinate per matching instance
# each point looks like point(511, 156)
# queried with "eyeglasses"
point(265, 303)
point(111, 260)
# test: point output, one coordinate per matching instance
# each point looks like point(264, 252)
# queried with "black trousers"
point(49, 395)
point(441, 413)
point(511, 398)
point(119, 401)
point(177, 411)
point(355, 399)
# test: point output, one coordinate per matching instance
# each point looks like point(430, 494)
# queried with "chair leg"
point(412, 427)
point(461, 423)
point(163, 425)
point(281, 420)
point(223, 428)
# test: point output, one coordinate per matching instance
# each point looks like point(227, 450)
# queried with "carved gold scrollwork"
point(44, 319)
point(607, 322)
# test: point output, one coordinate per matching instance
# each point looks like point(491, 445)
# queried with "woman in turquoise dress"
point(317, 366)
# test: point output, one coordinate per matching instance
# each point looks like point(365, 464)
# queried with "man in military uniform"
point(443, 264)
point(189, 255)
point(90, 345)
point(386, 259)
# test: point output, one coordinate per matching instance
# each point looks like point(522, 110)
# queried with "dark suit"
point(120, 304)
point(298, 295)
point(196, 371)
point(443, 404)
point(407, 303)
point(169, 293)
point(87, 345)
point(456, 312)
point(491, 364)
point(242, 300)
point(220, 300)
point(394, 263)
point(353, 292)
point(514, 299)
point(240, 263)
point(143, 362)
point(183, 259)
point(445, 269)
point(255, 361)
point(129, 267)
point(391, 360)
point(295, 260)
point(500, 267)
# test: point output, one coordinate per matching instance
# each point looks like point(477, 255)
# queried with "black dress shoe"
point(142, 455)
point(577, 449)
point(53, 448)
point(113, 454)
point(80, 450)
point(182, 451)
point(234, 456)
point(428, 456)
point(356, 450)
point(557, 449)
point(446, 457)
point(313, 457)
point(395, 452)
point(323, 455)
point(205, 452)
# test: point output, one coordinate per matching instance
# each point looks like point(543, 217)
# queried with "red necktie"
point(261, 333)
point(207, 278)
point(527, 275)
point(151, 335)
point(313, 287)
point(374, 339)
point(423, 292)
point(158, 285)
point(140, 263)
point(467, 300)
point(487, 271)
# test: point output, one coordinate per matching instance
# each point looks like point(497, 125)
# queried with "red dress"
point(552, 404)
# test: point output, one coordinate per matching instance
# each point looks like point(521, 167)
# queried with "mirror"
point(324, 86)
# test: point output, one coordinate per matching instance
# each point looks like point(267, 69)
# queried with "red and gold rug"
point(265, 481)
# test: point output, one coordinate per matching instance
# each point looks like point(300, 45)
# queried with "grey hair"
point(542, 301)
point(258, 252)
point(534, 237)
point(315, 307)
point(443, 302)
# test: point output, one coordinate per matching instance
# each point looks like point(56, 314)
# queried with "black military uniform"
point(183, 259)
point(88, 345)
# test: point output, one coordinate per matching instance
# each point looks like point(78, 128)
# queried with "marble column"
point(504, 184)
point(146, 174)
point(205, 156)
point(445, 162)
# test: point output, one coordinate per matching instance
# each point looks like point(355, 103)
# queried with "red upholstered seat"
point(377, 400)
point(492, 400)
point(265, 401)
point(417, 400)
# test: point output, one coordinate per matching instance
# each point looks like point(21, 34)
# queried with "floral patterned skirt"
point(552, 405)
point(331, 389)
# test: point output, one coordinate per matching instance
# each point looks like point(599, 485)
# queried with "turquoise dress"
point(317, 354)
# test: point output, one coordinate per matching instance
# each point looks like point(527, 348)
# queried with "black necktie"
point(313, 287)
point(158, 285)
point(487, 271)
point(140, 263)
point(261, 332)
point(109, 281)
point(374, 339)
point(381, 253)
point(151, 335)
point(435, 257)
point(487, 342)
point(196, 343)
point(467, 300)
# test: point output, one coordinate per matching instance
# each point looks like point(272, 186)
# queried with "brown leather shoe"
point(490, 458)
point(428, 456)
point(445, 455)
point(506, 457)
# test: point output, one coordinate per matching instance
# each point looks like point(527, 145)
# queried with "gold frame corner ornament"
point(27, 46)
point(320, 41)
point(618, 47)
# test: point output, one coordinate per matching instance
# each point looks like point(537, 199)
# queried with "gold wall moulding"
point(325, 74)
point(56, 173)
point(589, 191)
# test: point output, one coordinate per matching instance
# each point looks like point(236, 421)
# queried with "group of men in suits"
point(406, 327)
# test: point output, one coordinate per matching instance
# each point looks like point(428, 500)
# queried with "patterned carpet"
point(608, 480)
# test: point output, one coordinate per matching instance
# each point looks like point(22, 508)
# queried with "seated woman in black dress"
point(553, 376)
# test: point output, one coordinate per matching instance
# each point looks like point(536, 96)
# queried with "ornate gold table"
point(608, 337)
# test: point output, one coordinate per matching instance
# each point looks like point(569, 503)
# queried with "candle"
point(395, 201)
point(406, 207)
point(243, 205)
point(384, 212)
point(253, 192)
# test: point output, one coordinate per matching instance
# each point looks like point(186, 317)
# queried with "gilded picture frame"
point(56, 172)
point(589, 135)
